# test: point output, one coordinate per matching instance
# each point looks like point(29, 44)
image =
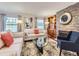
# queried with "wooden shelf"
point(51, 30)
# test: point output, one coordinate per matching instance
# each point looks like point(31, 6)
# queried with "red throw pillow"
point(36, 31)
point(7, 39)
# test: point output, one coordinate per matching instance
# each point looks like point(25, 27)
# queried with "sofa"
point(30, 35)
point(15, 48)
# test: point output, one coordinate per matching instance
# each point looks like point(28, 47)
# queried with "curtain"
point(20, 25)
point(2, 22)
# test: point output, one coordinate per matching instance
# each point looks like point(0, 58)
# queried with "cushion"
point(74, 36)
point(36, 31)
point(1, 42)
point(7, 39)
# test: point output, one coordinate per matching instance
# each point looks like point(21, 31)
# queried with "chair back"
point(74, 36)
point(64, 35)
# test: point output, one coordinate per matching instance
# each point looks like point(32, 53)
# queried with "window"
point(10, 24)
point(40, 23)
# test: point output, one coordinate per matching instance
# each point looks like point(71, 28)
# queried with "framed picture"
point(28, 23)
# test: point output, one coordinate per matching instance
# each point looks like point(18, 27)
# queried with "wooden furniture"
point(51, 30)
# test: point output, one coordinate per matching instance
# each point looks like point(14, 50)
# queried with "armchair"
point(72, 44)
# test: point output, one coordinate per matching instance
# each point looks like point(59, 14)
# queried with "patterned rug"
point(30, 49)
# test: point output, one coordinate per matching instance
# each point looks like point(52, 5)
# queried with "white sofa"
point(30, 34)
point(14, 49)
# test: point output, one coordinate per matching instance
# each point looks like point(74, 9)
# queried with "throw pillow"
point(7, 39)
point(36, 31)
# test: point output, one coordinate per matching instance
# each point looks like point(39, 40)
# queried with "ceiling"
point(39, 9)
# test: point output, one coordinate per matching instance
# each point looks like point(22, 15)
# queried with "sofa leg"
point(60, 52)
point(77, 53)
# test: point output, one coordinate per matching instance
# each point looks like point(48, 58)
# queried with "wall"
point(74, 24)
point(20, 17)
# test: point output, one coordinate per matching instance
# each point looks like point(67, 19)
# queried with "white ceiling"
point(33, 8)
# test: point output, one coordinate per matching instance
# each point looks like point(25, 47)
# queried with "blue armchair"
point(70, 43)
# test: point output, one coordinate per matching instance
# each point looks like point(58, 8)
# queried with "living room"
point(32, 28)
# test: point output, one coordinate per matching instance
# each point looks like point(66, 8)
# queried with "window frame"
point(10, 24)
point(43, 23)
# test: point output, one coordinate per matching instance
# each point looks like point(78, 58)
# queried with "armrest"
point(63, 43)
point(67, 44)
